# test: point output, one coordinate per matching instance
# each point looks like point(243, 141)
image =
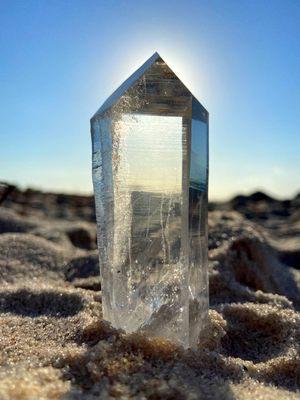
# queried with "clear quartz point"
point(150, 175)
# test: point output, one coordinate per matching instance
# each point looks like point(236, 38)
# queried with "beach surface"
point(54, 343)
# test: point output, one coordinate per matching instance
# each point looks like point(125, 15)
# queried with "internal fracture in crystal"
point(150, 175)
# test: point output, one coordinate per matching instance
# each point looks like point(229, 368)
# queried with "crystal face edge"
point(198, 226)
point(145, 278)
point(121, 90)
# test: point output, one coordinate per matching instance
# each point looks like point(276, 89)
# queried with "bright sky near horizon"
point(61, 59)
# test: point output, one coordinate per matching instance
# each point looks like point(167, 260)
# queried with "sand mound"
point(255, 266)
point(38, 383)
point(83, 267)
point(79, 234)
point(30, 303)
point(24, 257)
point(12, 222)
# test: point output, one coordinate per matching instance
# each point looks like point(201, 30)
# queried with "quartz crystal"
point(150, 176)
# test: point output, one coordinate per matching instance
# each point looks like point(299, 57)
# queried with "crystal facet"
point(150, 175)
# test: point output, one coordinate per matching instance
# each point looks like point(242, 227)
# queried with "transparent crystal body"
point(150, 176)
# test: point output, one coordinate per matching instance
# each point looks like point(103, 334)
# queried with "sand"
point(54, 343)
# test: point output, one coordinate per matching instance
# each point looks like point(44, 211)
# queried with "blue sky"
point(61, 59)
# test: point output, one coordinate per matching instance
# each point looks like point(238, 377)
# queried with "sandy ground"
point(55, 345)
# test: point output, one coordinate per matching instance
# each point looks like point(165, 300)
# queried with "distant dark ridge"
point(69, 205)
point(57, 205)
point(254, 197)
point(29, 192)
point(260, 207)
point(5, 190)
point(296, 199)
point(241, 201)
point(261, 196)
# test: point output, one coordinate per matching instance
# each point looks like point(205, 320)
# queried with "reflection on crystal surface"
point(150, 158)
